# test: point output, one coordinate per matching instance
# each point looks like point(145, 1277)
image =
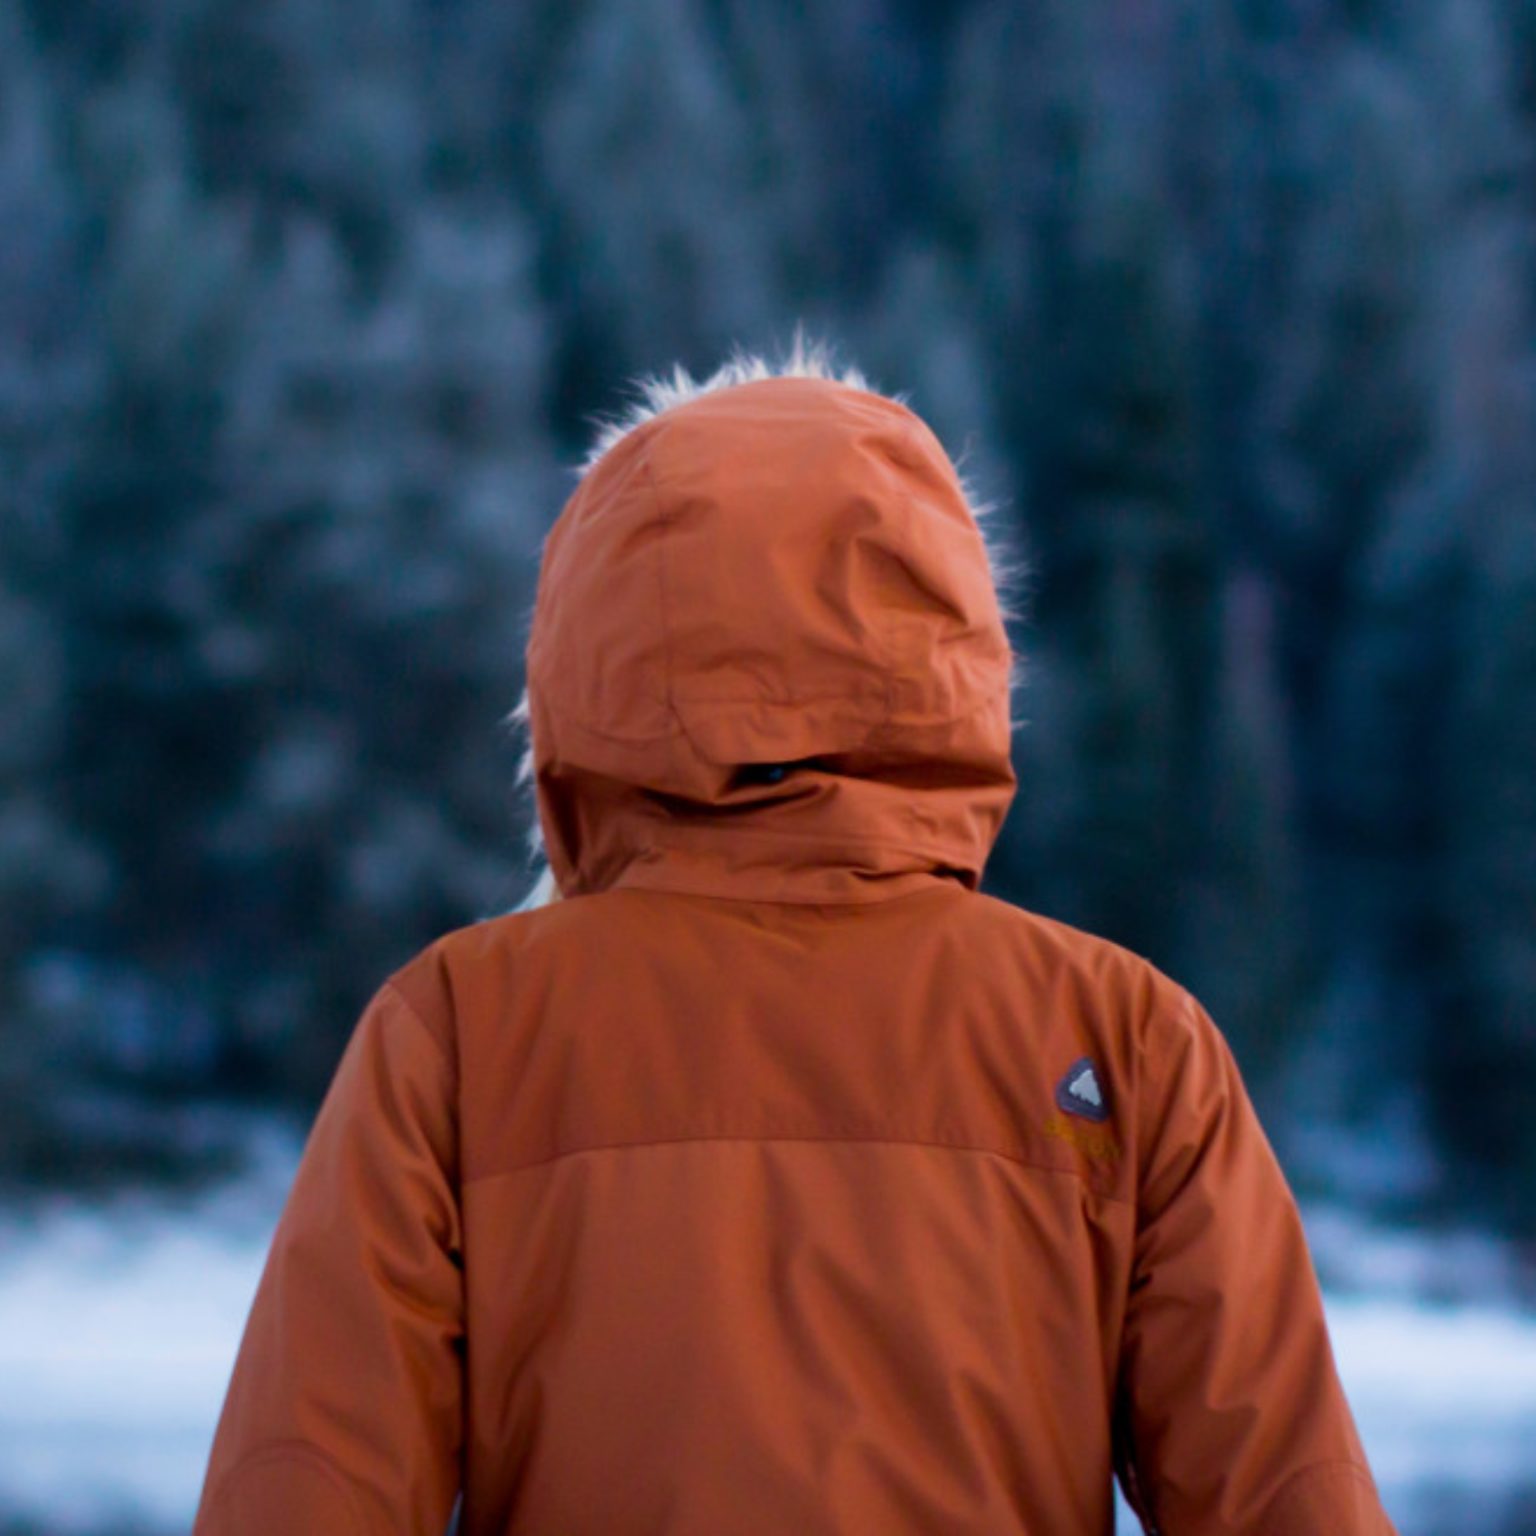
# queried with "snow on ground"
point(118, 1326)
point(1436, 1350)
point(1442, 1394)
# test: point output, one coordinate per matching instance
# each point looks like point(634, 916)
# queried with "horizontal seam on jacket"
point(814, 898)
point(854, 716)
point(875, 1141)
point(289, 1450)
point(790, 834)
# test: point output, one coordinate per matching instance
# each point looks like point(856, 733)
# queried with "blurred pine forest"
point(304, 312)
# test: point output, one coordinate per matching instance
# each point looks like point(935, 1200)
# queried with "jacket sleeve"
point(343, 1414)
point(1231, 1420)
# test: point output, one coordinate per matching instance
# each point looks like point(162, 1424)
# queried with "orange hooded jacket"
point(775, 1179)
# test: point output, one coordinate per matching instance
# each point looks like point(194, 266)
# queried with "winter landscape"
point(308, 309)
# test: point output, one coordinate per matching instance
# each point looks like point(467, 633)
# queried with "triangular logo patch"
point(1081, 1093)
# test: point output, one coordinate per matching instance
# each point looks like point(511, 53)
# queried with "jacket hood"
point(767, 657)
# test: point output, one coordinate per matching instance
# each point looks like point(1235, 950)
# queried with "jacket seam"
point(854, 717)
point(814, 899)
point(1281, 1500)
point(844, 1140)
point(787, 834)
point(290, 1450)
point(1159, 1072)
point(664, 524)
point(393, 987)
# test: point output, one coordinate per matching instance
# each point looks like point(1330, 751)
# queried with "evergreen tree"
point(304, 306)
point(1089, 311)
point(660, 240)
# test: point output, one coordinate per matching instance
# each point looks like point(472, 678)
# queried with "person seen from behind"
point(769, 1177)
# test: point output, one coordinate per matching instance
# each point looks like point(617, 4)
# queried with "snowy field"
point(118, 1326)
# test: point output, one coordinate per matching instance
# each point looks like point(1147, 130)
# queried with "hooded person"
point(774, 1178)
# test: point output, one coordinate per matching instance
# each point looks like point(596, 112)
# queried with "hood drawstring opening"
point(762, 773)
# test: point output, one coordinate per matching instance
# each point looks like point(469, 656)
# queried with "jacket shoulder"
point(1117, 1000)
point(1089, 957)
point(432, 981)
